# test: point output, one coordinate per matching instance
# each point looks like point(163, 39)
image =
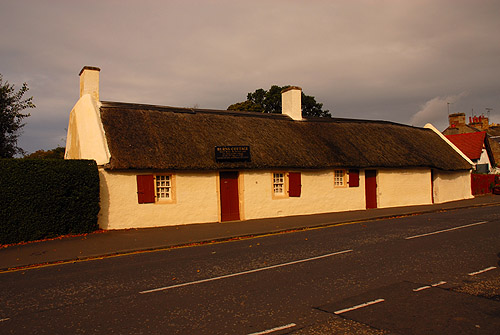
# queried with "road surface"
point(405, 275)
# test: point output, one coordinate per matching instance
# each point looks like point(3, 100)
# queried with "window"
point(279, 183)
point(163, 187)
point(155, 188)
point(339, 178)
point(286, 184)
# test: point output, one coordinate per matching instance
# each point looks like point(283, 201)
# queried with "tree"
point(57, 153)
point(270, 102)
point(11, 106)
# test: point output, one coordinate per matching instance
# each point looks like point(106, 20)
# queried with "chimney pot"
point(89, 81)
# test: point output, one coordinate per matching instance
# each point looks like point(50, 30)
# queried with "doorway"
point(229, 199)
point(371, 188)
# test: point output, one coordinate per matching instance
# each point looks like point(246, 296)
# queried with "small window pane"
point(163, 187)
point(278, 183)
point(339, 178)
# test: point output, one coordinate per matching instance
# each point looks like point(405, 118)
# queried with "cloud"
point(361, 59)
point(434, 110)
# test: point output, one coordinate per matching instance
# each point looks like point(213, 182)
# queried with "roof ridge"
point(114, 104)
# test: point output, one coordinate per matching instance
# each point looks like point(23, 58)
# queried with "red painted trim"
point(145, 189)
point(353, 178)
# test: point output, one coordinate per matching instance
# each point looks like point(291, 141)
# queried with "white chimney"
point(291, 102)
point(89, 81)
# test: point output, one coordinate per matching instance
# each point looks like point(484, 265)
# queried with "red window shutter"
point(294, 186)
point(145, 189)
point(353, 178)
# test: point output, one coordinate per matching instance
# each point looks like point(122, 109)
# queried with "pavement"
point(117, 242)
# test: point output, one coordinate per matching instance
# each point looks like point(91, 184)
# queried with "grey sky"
point(400, 61)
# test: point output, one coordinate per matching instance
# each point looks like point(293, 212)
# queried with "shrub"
point(47, 198)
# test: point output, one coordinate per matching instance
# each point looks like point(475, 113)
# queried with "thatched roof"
point(167, 138)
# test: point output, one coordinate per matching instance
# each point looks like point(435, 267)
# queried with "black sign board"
point(232, 153)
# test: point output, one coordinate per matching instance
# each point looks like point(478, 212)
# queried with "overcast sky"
point(400, 61)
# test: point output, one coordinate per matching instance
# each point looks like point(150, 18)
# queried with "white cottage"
point(163, 166)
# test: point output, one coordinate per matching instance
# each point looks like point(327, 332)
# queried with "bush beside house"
point(47, 198)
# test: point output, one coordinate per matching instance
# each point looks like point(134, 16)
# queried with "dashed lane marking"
point(272, 330)
point(438, 284)
point(359, 306)
point(446, 230)
point(245, 272)
point(429, 286)
point(482, 271)
point(421, 288)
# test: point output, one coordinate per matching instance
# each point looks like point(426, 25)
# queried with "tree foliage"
point(269, 101)
point(41, 198)
point(12, 104)
point(57, 153)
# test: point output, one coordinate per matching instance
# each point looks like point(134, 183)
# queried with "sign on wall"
point(232, 153)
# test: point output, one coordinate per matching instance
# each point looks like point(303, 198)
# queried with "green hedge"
point(47, 198)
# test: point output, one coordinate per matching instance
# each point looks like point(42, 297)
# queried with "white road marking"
point(245, 272)
point(421, 288)
point(359, 306)
point(483, 270)
point(446, 230)
point(6, 319)
point(438, 284)
point(274, 329)
point(428, 286)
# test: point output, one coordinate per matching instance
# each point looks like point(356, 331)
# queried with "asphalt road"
point(400, 276)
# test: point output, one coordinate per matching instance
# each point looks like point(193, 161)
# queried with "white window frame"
point(279, 183)
point(339, 178)
point(164, 187)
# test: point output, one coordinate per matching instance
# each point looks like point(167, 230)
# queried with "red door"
point(371, 188)
point(229, 201)
point(432, 185)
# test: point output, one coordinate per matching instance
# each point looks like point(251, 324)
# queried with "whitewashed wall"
point(403, 187)
point(196, 201)
point(196, 198)
point(452, 185)
point(318, 195)
point(85, 138)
